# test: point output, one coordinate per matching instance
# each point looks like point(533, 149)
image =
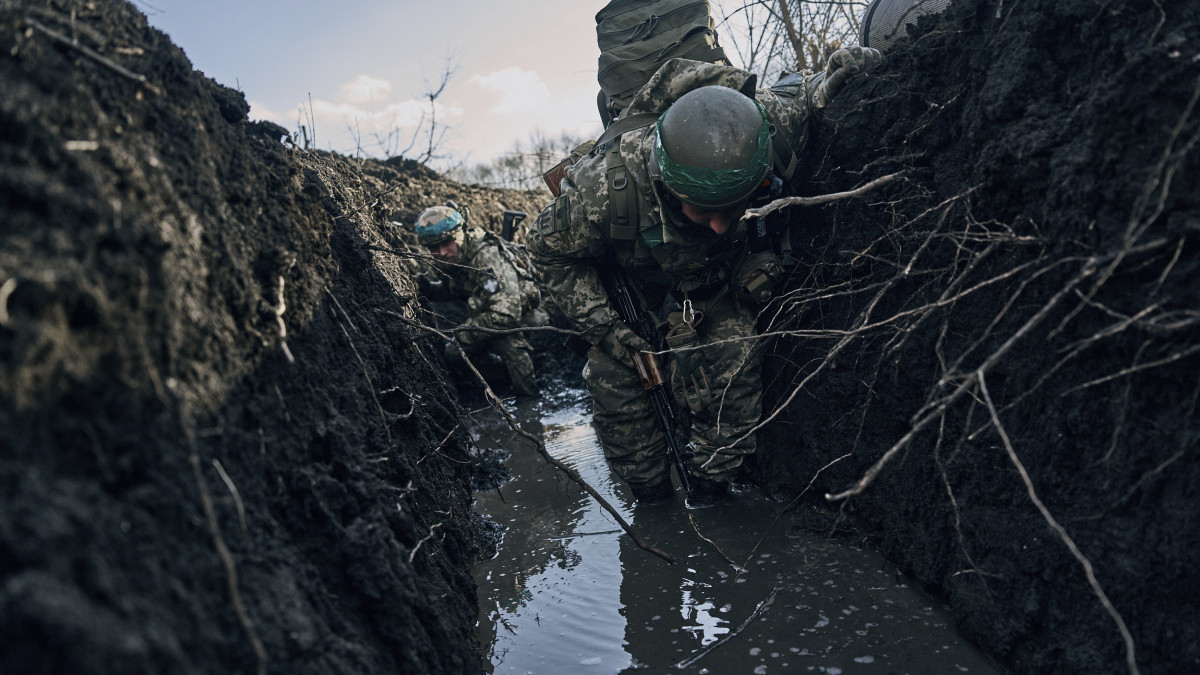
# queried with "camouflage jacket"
point(489, 277)
point(668, 252)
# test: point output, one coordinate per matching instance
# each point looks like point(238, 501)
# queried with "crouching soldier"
point(662, 202)
point(499, 289)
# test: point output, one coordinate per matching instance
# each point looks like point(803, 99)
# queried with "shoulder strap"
point(784, 160)
point(635, 121)
point(622, 199)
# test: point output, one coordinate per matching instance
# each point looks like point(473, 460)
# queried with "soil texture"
point(230, 443)
point(993, 364)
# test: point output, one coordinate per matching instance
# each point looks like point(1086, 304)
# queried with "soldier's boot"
point(653, 494)
point(521, 373)
point(706, 493)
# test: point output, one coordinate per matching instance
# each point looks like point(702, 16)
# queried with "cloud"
point(521, 91)
point(259, 111)
point(365, 89)
point(362, 119)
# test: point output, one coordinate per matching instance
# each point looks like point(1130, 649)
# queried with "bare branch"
point(821, 199)
point(535, 441)
point(1130, 659)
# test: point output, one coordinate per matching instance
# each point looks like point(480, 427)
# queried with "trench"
point(569, 592)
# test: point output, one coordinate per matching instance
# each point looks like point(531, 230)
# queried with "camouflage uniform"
point(499, 295)
point(663, 254)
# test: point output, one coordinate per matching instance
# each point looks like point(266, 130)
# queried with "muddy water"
point(569, 592)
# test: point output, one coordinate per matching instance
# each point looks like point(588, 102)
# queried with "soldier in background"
point(476, 266)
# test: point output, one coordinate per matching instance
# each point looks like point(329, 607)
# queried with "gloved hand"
point(843, 64)
point(688, 375)
point(618, 339)
point(757, 277)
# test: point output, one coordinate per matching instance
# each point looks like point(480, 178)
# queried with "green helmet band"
point(714, 188)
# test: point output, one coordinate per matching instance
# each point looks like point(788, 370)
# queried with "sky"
point(358, 70)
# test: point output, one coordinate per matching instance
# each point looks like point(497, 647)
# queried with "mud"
point(227, 446)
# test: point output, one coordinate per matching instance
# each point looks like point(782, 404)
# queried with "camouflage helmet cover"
point(712, 147)
point(439, 224)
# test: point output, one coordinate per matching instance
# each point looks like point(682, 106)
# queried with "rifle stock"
point(510, 221)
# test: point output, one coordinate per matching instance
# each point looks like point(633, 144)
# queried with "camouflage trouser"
point(729, 370)
point(513, 351)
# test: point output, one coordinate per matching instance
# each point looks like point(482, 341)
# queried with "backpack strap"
point(623, 217)
point(622, 199)
point(784, 159)
point(634, 121)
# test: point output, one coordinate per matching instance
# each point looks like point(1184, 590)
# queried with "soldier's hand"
point(843, 64)
point(620, 339)
point(466, 337)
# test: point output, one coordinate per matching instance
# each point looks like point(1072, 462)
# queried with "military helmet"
point(439, 224)
point(712, 147)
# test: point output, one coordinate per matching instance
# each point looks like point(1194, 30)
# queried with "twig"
point(537, 443)
point(222, 551)
point(510, 331)
point(1133, 369)
point(583, 534)
point(280, 308)
point(965, 386)
point(820, 199)
point(758, 611)
point(91, 53)
point(1130, 660)
point(370, 385)
point(413, 553)
point(692, 520)
point(5, 291)
point(371, 201)
point(237, 498)
point(442, 444)
point(424, 257)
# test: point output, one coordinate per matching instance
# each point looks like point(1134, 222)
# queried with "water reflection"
point(570, 590)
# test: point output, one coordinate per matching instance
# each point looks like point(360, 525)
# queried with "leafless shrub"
point(771, 37)
point(520, 168)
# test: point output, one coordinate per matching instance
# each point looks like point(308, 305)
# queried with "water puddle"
point(570, 592)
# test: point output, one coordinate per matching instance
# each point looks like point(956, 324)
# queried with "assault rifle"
point(649, 367)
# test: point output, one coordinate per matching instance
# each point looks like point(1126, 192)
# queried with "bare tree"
point(434, 135)
point(773, 37)
point(520, 168)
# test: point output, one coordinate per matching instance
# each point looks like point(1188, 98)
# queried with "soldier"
point(496, 284)
point(663, 203)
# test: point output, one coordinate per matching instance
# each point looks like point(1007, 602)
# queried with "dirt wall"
point(224, 449)
point(995, 362)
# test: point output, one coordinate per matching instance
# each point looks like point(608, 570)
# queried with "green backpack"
point(637, 36)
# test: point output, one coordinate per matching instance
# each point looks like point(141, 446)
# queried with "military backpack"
point(637, 36)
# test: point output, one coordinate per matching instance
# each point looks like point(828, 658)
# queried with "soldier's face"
point(717, 220)
point(447, 250)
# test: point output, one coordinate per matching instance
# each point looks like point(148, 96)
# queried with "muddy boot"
point(518, 361)
point(653, 494)
point(520, 372)
point(706, 493)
